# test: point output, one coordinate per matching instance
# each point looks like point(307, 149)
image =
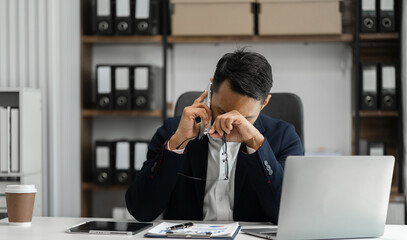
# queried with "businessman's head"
point(242, 82)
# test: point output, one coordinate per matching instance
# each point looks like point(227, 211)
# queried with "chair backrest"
point(284, 106)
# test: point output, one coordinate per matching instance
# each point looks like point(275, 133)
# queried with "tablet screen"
point(132, 227)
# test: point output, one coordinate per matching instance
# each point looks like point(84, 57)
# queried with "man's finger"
point(200, 112)
point(202, 97)
point(207, 109)
point(223, 126)
point(229, 124)
point(218, 127)
point(192, 113)
point(216, 135)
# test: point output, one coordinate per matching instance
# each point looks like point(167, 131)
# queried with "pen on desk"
point(181, 226)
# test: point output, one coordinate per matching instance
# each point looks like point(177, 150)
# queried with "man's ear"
point(266, 101)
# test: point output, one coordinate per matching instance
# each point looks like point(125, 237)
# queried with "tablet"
point(104, 227)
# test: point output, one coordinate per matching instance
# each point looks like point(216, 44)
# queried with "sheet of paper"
point(197, 229)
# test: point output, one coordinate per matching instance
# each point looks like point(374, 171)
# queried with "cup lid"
point(21, 189)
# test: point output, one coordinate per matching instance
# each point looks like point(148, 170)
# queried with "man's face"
point(225, 100)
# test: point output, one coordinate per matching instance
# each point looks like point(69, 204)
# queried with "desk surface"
point(54, 228)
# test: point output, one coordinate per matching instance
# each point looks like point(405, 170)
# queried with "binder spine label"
point(389, 78)
point(123, 156)
point(386, 5)
point(141, 76)
point(122, 8)
point(142, 9)
point(140, 154)
point(122, 78)
point(102, 157)
point(369, 80)
point(103, 8)
point(104, 80)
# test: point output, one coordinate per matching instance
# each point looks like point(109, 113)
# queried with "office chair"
point(283, 106)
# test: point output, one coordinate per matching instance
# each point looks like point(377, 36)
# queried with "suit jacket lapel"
point(199, 164)
point(241, 172)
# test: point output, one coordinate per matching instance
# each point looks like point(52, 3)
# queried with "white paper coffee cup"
point(20, 203)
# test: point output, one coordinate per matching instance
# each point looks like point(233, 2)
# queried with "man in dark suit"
point(235, 171)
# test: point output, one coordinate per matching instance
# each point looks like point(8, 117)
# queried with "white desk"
point(45, 228)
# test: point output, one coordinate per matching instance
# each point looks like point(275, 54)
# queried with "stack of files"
point(378, 16)
point(9, 140)
point(126, 17)
point(128, 87)
point(118, 162)
point(379, 87)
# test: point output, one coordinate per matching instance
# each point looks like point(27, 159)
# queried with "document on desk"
point(216, 231)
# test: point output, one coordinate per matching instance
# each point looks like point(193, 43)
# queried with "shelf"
point(121, 39)
point(123, 113)
point(347, 37)
point(89, 186)
point(378, 113)
point(379, 36)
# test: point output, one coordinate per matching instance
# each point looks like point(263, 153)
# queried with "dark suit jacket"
point(160, 188)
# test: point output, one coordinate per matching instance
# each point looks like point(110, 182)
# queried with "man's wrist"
point(174, 142)
point(179, 151)
point(255, 142)
point(178, 142)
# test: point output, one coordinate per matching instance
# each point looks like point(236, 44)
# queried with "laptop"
point(332, 197)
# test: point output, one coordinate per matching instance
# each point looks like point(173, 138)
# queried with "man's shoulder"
point(274, 128)
point(171, 124)
point(172, 120)
point(273, 123)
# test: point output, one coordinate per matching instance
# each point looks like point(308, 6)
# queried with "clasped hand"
point(233, 125)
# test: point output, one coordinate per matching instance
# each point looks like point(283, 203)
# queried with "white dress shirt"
point(219, 193)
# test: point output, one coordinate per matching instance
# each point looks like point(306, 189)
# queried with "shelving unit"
point(380, 125)
point(89, 113)
point(366, 48)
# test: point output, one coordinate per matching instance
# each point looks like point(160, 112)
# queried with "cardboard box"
point(212, 17)
point(294, 17)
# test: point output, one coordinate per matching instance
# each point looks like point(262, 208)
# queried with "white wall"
point(320, 73)
point(69, 187)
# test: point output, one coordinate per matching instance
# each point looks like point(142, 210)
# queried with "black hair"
point(249, 74)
